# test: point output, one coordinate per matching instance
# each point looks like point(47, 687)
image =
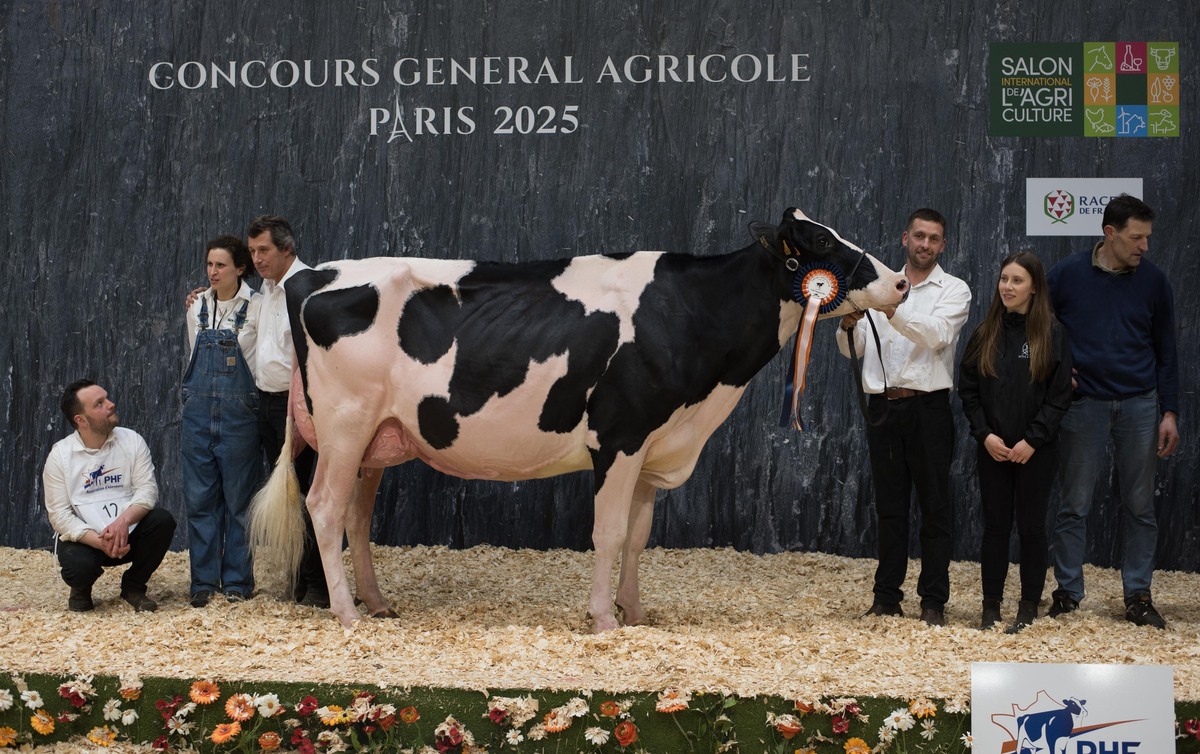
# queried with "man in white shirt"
point(101, 497)
point(914, 441)
point(273, 250)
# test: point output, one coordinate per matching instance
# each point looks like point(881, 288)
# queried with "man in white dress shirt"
point(912, 446)
point(273, 250)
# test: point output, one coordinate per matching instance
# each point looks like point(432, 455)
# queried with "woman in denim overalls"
point(220, 444)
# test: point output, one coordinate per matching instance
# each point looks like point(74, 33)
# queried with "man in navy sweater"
point(1120, 318)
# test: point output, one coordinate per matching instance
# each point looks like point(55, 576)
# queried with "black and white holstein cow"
point(624, 364)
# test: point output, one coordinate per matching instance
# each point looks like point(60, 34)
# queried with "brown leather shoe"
point(881, 609)
point(933, 616)
point(140, 602)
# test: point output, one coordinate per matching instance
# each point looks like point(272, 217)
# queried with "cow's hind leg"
point(332, 488)
point(358, 532)
point(641, 517)
point(608, 535)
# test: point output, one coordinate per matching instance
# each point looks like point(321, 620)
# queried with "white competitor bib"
point(103, 491)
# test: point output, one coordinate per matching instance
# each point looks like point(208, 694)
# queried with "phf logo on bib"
point(105, 497)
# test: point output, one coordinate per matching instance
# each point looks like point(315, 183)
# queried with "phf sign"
point(1018, 708)
point(1072, 206)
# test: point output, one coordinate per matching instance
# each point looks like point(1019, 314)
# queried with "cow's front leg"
point(333, 485)
point(358, 532)
point(641, 517)
point(608, 535)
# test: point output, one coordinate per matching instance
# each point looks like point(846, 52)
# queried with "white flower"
point(179, 726)
point(928, 733)
point(514, 737)
point(331, 741)
point(577, 707)
point(955, 706)
point(886, 734)
point(129, 717)
point(6, 700)
point(267, 705)
point(32, 699)
point(112, 710)
point(537, 732)
point(186, 710)
point(596, 736)
point(967, 739)
point(900, 719)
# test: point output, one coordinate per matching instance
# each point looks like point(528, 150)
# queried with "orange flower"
point(225, 732)
point(8, 737)
point(131, 694)
point(103, 736)
point(804, 707)
point(239, 707)
point(857, 746)
point(788, 726)
point(409, 715)
point(269, 741)
point(42, 722)
point(205, 692)
point(672, 700)
point(556, 721)
point(610, 708)
point(625, 733)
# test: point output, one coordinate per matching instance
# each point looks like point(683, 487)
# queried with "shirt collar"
point(937, 276)
point(1100, 265)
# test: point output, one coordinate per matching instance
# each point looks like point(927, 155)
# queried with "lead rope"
point(856, 369)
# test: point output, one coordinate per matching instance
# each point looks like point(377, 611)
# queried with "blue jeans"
point(221, 463)
point(1132, 426)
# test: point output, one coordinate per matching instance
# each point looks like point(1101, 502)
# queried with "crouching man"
point(101, 497)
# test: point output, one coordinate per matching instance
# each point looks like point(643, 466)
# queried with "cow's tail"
point(276, 519)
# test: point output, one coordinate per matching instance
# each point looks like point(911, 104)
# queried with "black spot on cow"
point(331, 315)
point(818, 243)
point(298, 288)
point(428, 324)
point(504, 318)
point(438, 424)
point(701, 323)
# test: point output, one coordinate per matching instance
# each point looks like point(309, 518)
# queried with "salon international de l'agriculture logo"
point(1097, 89)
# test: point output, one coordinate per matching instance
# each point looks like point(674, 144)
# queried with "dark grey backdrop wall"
point(116, 171)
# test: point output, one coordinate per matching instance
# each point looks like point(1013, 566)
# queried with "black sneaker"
point(1063, 604)
point(1139, 610)
point(139, 602)
point(200, 599)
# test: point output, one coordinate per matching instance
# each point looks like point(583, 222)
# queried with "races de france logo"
point(1059, 205)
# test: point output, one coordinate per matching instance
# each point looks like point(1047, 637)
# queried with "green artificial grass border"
point(457, 721)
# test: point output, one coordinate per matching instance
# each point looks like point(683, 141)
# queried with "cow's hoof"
point(630, 617)
point(602, 623)
point(386, 612)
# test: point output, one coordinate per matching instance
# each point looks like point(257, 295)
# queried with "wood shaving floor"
point(719, 620)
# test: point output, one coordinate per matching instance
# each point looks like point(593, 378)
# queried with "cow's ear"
point(764, 234)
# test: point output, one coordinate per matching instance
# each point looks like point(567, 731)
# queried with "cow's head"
point(823, 262)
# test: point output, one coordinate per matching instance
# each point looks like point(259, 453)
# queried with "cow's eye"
point(823, 242)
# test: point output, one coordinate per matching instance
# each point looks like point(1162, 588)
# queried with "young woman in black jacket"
point(1015, 386)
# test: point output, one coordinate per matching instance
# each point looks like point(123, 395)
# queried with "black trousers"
point(148, 544)
point(1020, 491)
point(911, 450)
point(272, 426)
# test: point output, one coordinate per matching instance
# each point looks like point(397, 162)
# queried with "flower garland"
point(203, 716)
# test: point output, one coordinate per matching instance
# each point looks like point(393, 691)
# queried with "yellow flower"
point(205, 692)
point(102, 736)
point(333, 715)
point(42, 722)
point(269, 741)
point(8, 737)
point(857, 746)
point(225, 732)
point(922, 708)
point(239, 707)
